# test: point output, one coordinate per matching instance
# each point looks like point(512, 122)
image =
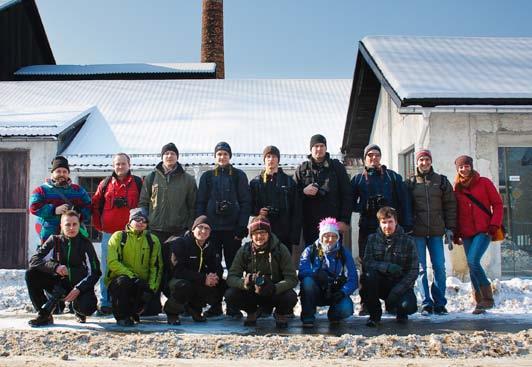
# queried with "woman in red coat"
point(475, 196)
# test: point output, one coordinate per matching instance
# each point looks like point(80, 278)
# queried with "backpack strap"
point(149, 180)
point(443, 182)
point(104, 190)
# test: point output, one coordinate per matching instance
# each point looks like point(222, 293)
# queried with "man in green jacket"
point(262, 274)
point(134, 266)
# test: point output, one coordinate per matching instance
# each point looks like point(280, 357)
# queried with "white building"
point(453, 96)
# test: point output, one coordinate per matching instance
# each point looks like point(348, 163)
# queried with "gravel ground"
point(169, 345)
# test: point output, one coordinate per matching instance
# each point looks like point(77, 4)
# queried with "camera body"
point(260, 280)
point(224, 207)
point(322, 191)
point(335, 285)
point(120, 202)
point(374, 203)
point(273, 212)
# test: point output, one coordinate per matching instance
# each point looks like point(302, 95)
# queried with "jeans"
point(437, 258)
point(105, 301)
point(312, 295)
point(475, 247)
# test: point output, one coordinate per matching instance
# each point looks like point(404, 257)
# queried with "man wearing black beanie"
point(323, 185)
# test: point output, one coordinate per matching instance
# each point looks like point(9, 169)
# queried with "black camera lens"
point(259, 281)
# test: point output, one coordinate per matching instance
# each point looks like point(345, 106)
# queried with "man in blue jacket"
point(328, 276)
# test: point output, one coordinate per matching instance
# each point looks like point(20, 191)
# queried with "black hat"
point(223, 146)
point(137, 213)
point(171, 147)
point(271, 149)
point(371, 147)
point(317, 139)
point(202, 219)
point(58, 162)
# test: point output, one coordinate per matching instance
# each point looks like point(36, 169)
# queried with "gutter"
point(417, 110)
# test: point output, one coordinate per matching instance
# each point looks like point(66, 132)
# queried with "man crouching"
point(391, 265)
point(196, 273)
point(134, 264)
point(262, 274)
point(66, 266)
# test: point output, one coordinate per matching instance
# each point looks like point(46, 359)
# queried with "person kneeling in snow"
point(262, 274)
point(196, 273)
point(391, 266)
point(66, 266)
point(323, 276)
point(134, 264)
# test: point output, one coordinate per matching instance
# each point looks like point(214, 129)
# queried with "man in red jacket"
point(111, 203)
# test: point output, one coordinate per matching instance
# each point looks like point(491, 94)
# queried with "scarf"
point(461, 183)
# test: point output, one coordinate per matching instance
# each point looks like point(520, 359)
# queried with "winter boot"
point(281, 321)
point(42, 319)
point(487, 297)
point(476, 296)
point(196, 314)
point(173, 319)
point(251, 319)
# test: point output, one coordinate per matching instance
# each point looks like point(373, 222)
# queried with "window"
point(408, 163)
point(90, 184)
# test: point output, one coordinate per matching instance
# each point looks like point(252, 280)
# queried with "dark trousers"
point(310, 230)
point(225, 242)
point(126, 297)
point(38, 282)
point(363, 234)
point(250, 301)
point(378, 286)
point(183, 292)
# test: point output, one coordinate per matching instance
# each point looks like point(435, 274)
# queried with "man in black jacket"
point(66, 266)
point(323, 184)
point(197, 273)
point(274, 195)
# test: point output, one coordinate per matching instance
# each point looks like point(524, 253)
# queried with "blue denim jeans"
point(437, 258)
point(312, 295)
point(475, 247)
point(104, 295)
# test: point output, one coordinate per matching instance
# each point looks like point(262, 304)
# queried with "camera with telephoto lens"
point(56, 295)
point(375, 203)
point(273, 212)
point(322, 191)
point(224, 207)
point(120, 202)
point(335, 286)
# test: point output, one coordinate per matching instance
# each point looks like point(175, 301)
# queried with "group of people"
point(164, 234)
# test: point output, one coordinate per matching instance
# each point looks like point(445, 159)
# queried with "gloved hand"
point(394, 269)
point(248, 281)
point(267, 289)
point(337, 297)
point(492, 229)
point(322, 278)
point(241, 232)
point(449, 237)
point(263, 212)
point(392, 300)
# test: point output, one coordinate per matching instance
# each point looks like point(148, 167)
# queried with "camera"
point(335, 285)
point(260, 280)
point(375, 203)
point(120, 202)
point(224, 207)
point(56, 295)
point(322, 191)
point(273, 212)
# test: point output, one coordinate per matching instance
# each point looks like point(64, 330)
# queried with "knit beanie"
point(202, 219)
point(223, 146)
point(463, 160)
point(259, 223)
point(137, 213)
point(169, 147)
point(271, 149)
point(370, 148)
point(423, 153)
point(329, 225)
point(317, 139)
point(60, 162)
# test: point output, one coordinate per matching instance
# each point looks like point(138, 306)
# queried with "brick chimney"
point(212, 35)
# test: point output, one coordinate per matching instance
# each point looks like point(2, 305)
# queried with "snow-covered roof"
point(6, 3)
point(453, 67)
point(97, 69)
point(140, 116)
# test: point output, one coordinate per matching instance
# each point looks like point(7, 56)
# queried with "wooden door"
point(14, 170)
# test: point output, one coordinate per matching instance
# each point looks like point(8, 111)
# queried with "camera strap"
point(65, 199)
point(107, 181)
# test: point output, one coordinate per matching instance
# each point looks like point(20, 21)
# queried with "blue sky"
point(265, 39)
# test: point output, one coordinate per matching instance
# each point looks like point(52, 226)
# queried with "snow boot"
point(42, 319)
point(487, 297)
point(251, 319)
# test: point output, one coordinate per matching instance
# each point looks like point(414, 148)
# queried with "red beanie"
point(423, 153)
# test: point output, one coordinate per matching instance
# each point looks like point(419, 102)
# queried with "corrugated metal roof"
point(96, 69)
point(140, 116)
point(454, 67)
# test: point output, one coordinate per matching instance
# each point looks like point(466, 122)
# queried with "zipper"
point(69, 245)
point(428, 205)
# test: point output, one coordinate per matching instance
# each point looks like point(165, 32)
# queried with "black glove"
point(267, 289)
point(322, 278)
point(392, 301)
point(241, 232)
point(394, 269)
point(337, 297)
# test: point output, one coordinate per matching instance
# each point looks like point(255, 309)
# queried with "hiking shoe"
point(234, 314)
point(251, 319)
point(136, 318)
point(214, 311)
point(281, 321)
point(173, 319)
point(196, 314)
point(372, 322)
point(125, 322)
point(80, 318)
point(41, 320)
point(427, 310)
point(104, 311)
point(479, 310)
point(440, 310)
point(401, 319)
